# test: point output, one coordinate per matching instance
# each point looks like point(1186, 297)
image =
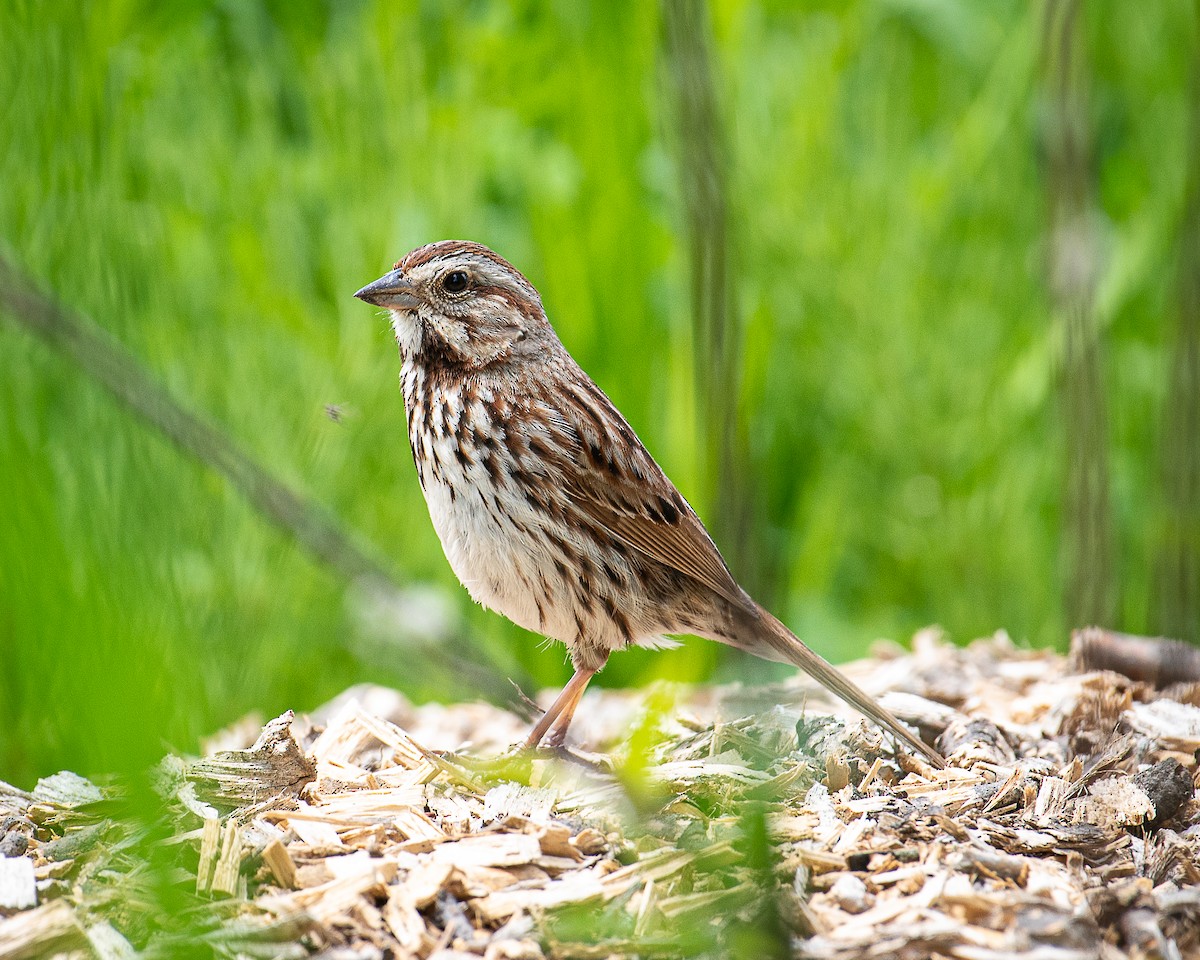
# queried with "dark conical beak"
point(391, 291)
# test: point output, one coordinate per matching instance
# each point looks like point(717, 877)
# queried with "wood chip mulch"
point(715, 822)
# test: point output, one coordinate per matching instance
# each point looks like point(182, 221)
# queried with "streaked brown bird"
point(547, 504)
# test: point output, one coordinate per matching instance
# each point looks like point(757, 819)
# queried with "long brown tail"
point(773, 641)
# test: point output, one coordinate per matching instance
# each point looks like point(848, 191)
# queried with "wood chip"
point(328, 901)
point(42, 932)
point(229, 860)
point(489, 850)
point(108, 944)
point(274, 766)
point(18, 885)
point(281, 864)
point(210, 849)
point(66, 789)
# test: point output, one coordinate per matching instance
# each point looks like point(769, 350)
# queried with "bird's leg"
point(561, 710)
point(558, 731)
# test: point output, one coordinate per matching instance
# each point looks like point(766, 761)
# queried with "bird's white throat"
point(409, 330)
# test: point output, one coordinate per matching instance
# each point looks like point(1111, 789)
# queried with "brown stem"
point(1074, 270)
point(1176, 609)
point(703, 162)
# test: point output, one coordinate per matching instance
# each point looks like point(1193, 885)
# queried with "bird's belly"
point(524, 561)
point(492, 551)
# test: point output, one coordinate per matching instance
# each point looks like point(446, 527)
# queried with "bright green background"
point(211, 182)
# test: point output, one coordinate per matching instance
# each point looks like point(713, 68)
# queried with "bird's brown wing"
point(606, 474)
point(610, 477)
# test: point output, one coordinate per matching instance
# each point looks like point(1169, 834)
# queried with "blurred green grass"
point(211, 181)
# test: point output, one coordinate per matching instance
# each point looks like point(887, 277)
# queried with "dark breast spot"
point(418, 462)
point(491, 463)
point(513, 446)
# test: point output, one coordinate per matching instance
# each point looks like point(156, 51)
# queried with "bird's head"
point(460, 302)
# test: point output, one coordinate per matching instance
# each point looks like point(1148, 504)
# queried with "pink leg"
point(558, 732)
point(560, 712)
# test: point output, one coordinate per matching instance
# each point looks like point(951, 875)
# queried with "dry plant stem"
point(1177, 609)
point(1155, 660)
point(702, 154)
point(127, 380)
point(549, 508)
point(1074, 269)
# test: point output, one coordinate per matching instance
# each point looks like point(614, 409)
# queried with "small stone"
point(851, 894)
point(14, 844)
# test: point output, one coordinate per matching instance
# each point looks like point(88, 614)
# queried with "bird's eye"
point(455, 281)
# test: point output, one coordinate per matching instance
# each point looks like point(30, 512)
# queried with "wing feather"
point(615, 483)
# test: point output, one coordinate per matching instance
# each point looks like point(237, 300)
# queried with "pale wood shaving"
point(18, 883)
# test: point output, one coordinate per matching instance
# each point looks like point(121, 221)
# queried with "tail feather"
point(774, 641)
